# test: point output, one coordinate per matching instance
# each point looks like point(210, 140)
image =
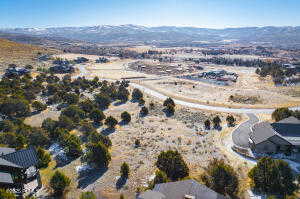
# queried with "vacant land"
point(183, 131)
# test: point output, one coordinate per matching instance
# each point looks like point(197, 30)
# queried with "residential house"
point(18, 170)
point(186, 189)
point(281, 136)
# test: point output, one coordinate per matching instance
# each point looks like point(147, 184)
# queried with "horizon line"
point(151, 26)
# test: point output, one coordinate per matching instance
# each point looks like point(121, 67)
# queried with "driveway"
point(240, 135)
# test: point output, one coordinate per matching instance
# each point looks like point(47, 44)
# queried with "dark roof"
point(151, 195)
point(6, 178)
point(288, 128)
point(23, 158)
point(4, 150)
point(177, 190)
point(289, 120)
point(4, 162)
point(261, 132)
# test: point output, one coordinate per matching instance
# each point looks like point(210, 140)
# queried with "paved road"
point(240, 135)
point(84, 72)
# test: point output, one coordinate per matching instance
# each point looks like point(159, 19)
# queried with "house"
point(16, 71)
point(80, 60)
point(186, 189)
point(281, 136)
point(62, 69)
point(18, 170)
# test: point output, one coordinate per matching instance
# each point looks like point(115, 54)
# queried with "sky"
point(198, 13)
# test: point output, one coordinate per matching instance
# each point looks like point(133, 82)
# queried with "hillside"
point(20, 54)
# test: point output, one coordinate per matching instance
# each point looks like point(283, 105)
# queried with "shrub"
point(97, 115)
point(72, 146)
point(5, 194)
point(216, 121)
point(281, 113)
point(111, 122)
point(207, 124)
point(169, 102)
point(221, 178)
point(39, 106)
point(123, 94)
point(172, 163)
point(71, 98)
point(271, 176)
point(144, 111)
point(102, 100)
point(43, 157)
point(65, 122)
point(98, 154)
point(98, 137)
point(230, 120)
point(160, 177)
point(137, 94)
point(14, 107)
point(74, 113)
point(88, 195)
point(170, 109)
point(137, 143)
point(87, 105)
point(59, 182)
point(124, 170)
point(49, 124)
point(126, 117)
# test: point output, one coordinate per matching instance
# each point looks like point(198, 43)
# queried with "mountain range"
point(279, 36)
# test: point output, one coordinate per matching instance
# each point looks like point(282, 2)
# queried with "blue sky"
point(200, 13)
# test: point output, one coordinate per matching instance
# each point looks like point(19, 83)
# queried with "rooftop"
point(180, 190)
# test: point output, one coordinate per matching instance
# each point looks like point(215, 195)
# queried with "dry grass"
point(20, 54)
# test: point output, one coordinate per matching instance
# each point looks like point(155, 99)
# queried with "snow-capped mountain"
point(136, 34)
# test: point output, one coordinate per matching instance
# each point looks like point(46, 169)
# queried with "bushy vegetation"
point(98, 154)
point(124, 171)
point(59, 182)
point(5, 194)
point(111, 122)
point(271, 176)
point(172, 163)
point(221, 177)
point(43, 157)
point(88, 195)
point(126, 117)
point(282, 113)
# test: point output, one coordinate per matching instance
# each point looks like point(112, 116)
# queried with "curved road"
point(84, 72)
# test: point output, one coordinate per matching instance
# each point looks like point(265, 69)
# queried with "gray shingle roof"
point(177, 190)
point(4, 150)
point(151, 195)
point(6, 178)
point(289, 120)
point(288, 128)
point(4, 162)
point(24, 157)
point(261, 132)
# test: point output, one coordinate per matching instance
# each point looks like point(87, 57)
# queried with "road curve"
point(240, 136)
point(84, 72)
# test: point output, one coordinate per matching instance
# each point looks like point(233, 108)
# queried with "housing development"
point(148, 112)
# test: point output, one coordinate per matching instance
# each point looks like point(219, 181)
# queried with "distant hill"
point(20, 54)
point(282, 36)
